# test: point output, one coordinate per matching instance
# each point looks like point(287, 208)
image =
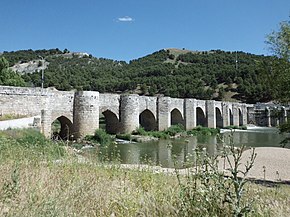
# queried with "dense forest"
point(211, 74)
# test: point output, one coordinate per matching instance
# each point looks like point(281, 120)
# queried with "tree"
point(279, 68)
point(144, 89)
point(153, 90)
point(279, 45)
point(7, 76)
point(279, 42)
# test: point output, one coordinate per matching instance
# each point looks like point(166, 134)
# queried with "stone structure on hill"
point(79, 112)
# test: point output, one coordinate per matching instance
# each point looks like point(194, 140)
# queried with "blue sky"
point(129, 29)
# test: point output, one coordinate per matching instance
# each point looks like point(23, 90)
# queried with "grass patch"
point(33, 185)
point(11, 117)
point(18, 144)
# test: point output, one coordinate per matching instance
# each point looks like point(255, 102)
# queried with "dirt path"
point(18, 123)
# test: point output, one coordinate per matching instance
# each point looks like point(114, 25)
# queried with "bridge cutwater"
point(79, 111)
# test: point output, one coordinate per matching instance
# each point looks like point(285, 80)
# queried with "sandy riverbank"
point(274, 161)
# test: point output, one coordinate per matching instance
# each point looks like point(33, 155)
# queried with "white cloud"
point(125, 19)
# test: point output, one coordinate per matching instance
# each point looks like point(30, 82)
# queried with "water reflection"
point(170, 153)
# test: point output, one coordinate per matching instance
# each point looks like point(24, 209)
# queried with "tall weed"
point(207, 191)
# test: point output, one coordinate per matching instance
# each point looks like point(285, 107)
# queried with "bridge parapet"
point(123, 113)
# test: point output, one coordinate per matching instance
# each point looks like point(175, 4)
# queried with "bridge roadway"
point(79, 111)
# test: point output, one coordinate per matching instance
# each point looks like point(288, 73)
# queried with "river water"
point(178, 152)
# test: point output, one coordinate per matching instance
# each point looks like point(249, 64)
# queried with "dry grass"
point(11, 117)
point(34, 183)
point(76, 189)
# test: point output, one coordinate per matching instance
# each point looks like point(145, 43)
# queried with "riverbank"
point(250, 128)
point(271, 164)
point(59, 189)
point(41, 178)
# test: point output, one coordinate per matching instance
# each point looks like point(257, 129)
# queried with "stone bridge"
point(79, 112)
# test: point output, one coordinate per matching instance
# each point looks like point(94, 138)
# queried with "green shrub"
point(101, 137)
point(174, 129)
point(199, 130)
point(171, 131)
point(159, 134)
point(140, 131)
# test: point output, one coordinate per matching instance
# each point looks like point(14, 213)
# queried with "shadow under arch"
point(62, 128)
point(200, 117)
point(219, 118)
point(176, 117)
point(112, 124)
point(147, 120)
point(231, 118)
point(240, 118)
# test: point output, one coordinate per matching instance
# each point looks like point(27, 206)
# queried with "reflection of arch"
point(219, 118)
point(240, 118)
point(231, 117)
point(147, 120)
point(62, 128)
point(111, 122)
point(176, 117)
point(200, 117)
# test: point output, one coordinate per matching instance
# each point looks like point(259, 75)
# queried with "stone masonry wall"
point(22, 101)
point(83, 108)
point(150, 103)
point(30, 101)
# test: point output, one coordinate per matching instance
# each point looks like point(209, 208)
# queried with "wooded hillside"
point(216, 74)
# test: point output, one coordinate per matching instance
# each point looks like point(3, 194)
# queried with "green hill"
point(211, 74)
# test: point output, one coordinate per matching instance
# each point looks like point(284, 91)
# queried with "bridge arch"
point(111, 122)
point(62, 128)
point(147, 120)
point(240, 117)
point(200, 117)
point(219, 118)
point(231, 117)
point(176, 117)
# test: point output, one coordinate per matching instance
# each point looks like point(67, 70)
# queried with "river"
point(177, 152)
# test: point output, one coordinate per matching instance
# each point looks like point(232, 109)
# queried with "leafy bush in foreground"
point(208, 191)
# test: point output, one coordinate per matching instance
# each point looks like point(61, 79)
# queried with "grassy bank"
point(11, 117)
point(27, 145)
point(40, 178)
point(90, 190)
point(172, 132)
